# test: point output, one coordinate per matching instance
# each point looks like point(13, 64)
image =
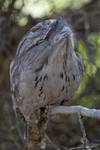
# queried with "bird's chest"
point(61, 82)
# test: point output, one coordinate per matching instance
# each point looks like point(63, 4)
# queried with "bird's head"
point(55, 30)
point(60, 32)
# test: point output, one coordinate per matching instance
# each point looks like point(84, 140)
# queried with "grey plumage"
point(46, 69)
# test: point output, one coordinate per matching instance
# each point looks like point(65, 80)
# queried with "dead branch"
point(80, 110)
point(93, 113)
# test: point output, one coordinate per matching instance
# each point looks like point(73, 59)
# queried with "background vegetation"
point(17, 17)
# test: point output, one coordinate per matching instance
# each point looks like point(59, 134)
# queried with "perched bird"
point(45, 70)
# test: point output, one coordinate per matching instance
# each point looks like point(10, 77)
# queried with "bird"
point(46, 69)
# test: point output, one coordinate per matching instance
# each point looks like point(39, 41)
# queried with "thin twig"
point(90, 145)
point(51, 142)
point(85, 140)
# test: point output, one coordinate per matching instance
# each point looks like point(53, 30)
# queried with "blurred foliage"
point(90, 70)
point(18, 10)
point(16, 18)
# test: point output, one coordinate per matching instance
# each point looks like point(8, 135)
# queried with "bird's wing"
point(34, 48)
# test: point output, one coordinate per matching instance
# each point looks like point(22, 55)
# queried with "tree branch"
point(93, 113)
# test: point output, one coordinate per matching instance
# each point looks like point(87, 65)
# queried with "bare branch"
point(90, 145)
point(93, 113)
point(80, 110)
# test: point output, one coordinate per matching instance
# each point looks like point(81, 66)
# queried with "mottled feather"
point(45, 69)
